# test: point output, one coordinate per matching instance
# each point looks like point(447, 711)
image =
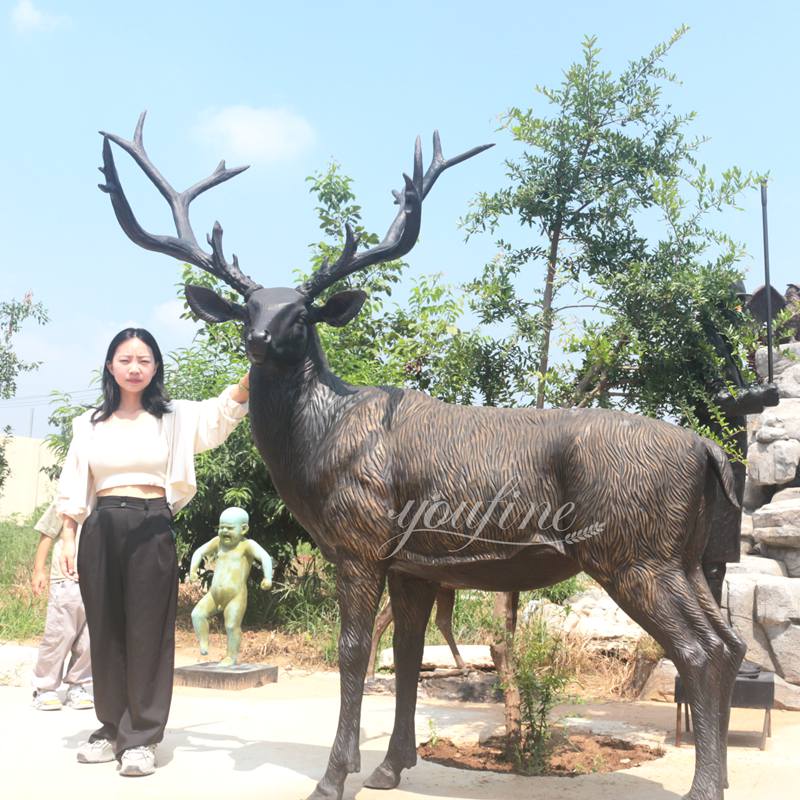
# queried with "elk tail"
point(721, 466)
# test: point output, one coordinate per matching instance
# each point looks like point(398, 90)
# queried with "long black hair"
point(154, 398)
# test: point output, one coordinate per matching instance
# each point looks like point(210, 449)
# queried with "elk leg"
point(664, 603)
point(358, 587)
point(445, 602)
point(381, 624)
point(412, 600)
point(735, 649)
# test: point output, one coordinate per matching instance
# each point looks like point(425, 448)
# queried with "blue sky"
point(287, 87)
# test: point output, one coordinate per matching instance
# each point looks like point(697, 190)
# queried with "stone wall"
point(761, 596)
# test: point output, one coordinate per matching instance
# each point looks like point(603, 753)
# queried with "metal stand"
point(757, 692)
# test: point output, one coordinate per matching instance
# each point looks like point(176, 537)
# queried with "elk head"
point(277, 322)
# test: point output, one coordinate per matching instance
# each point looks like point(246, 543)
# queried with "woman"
point(129, 468)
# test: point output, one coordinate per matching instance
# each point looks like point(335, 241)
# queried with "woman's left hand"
point(241, 392)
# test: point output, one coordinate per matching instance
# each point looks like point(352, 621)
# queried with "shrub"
point(541, 674)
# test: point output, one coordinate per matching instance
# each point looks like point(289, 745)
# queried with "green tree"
point(610, 164)
point(419, 346)
point(13, 314)
point(653, 348)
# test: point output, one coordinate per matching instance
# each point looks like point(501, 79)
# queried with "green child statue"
point(228, 593)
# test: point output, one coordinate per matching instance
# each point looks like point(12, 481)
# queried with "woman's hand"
point(241, 392)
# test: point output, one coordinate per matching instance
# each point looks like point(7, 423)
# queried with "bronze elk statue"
point(358, 466)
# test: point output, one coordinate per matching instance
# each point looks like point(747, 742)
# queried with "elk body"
point(356, 464)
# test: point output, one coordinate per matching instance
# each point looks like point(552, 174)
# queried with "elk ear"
point(340, 308)
point(210, 307)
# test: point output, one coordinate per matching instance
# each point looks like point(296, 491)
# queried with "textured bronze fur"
point(348, 459)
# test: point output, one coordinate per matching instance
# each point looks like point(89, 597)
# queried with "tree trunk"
point(505, 610)
point(547, 311)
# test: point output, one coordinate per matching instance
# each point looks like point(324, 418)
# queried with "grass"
point(22, 615)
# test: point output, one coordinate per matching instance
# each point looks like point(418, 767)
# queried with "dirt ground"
point(572, 755)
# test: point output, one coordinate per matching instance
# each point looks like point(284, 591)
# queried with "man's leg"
point(55, 644)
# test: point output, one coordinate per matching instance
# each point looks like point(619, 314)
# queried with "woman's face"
point(133, 366)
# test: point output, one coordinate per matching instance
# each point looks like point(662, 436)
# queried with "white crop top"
point(127, 452)
point(192, 426)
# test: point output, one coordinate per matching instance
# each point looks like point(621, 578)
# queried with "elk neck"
point(293, 408)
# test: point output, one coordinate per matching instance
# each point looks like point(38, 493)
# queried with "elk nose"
point(257, 342)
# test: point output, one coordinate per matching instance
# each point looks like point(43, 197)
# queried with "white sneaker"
point(46, 701)
point(97, 752)
point(78, 697)
point(138, 761)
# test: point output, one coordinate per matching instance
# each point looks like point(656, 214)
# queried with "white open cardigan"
point(190, 427)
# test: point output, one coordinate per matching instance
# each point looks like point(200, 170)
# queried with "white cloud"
point(255, 134)
point(26, 17)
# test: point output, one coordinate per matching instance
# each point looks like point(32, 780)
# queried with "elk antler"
point(184, 247)
point(404, 230)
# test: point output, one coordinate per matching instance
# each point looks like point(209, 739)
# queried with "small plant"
point(433, 734)
point(599, 764)
point(5, 469)
point(541, 675)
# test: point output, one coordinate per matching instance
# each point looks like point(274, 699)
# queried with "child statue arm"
point(260, 554)
point(204, 550)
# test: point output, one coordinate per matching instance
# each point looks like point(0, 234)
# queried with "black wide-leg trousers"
point(128, 574)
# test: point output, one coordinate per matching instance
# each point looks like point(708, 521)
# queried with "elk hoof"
point(326, 792)
point(384, 777)
point(704, 795)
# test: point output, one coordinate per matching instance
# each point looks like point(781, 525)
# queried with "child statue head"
point(233, 525)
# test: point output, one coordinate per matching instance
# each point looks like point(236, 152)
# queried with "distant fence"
point(27, 487)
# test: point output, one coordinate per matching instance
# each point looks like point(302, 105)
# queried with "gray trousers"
point(65, 635)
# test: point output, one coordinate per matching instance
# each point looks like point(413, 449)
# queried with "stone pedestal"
point(210, 675)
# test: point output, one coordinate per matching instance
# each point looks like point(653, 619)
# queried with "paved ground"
point(272, 743)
